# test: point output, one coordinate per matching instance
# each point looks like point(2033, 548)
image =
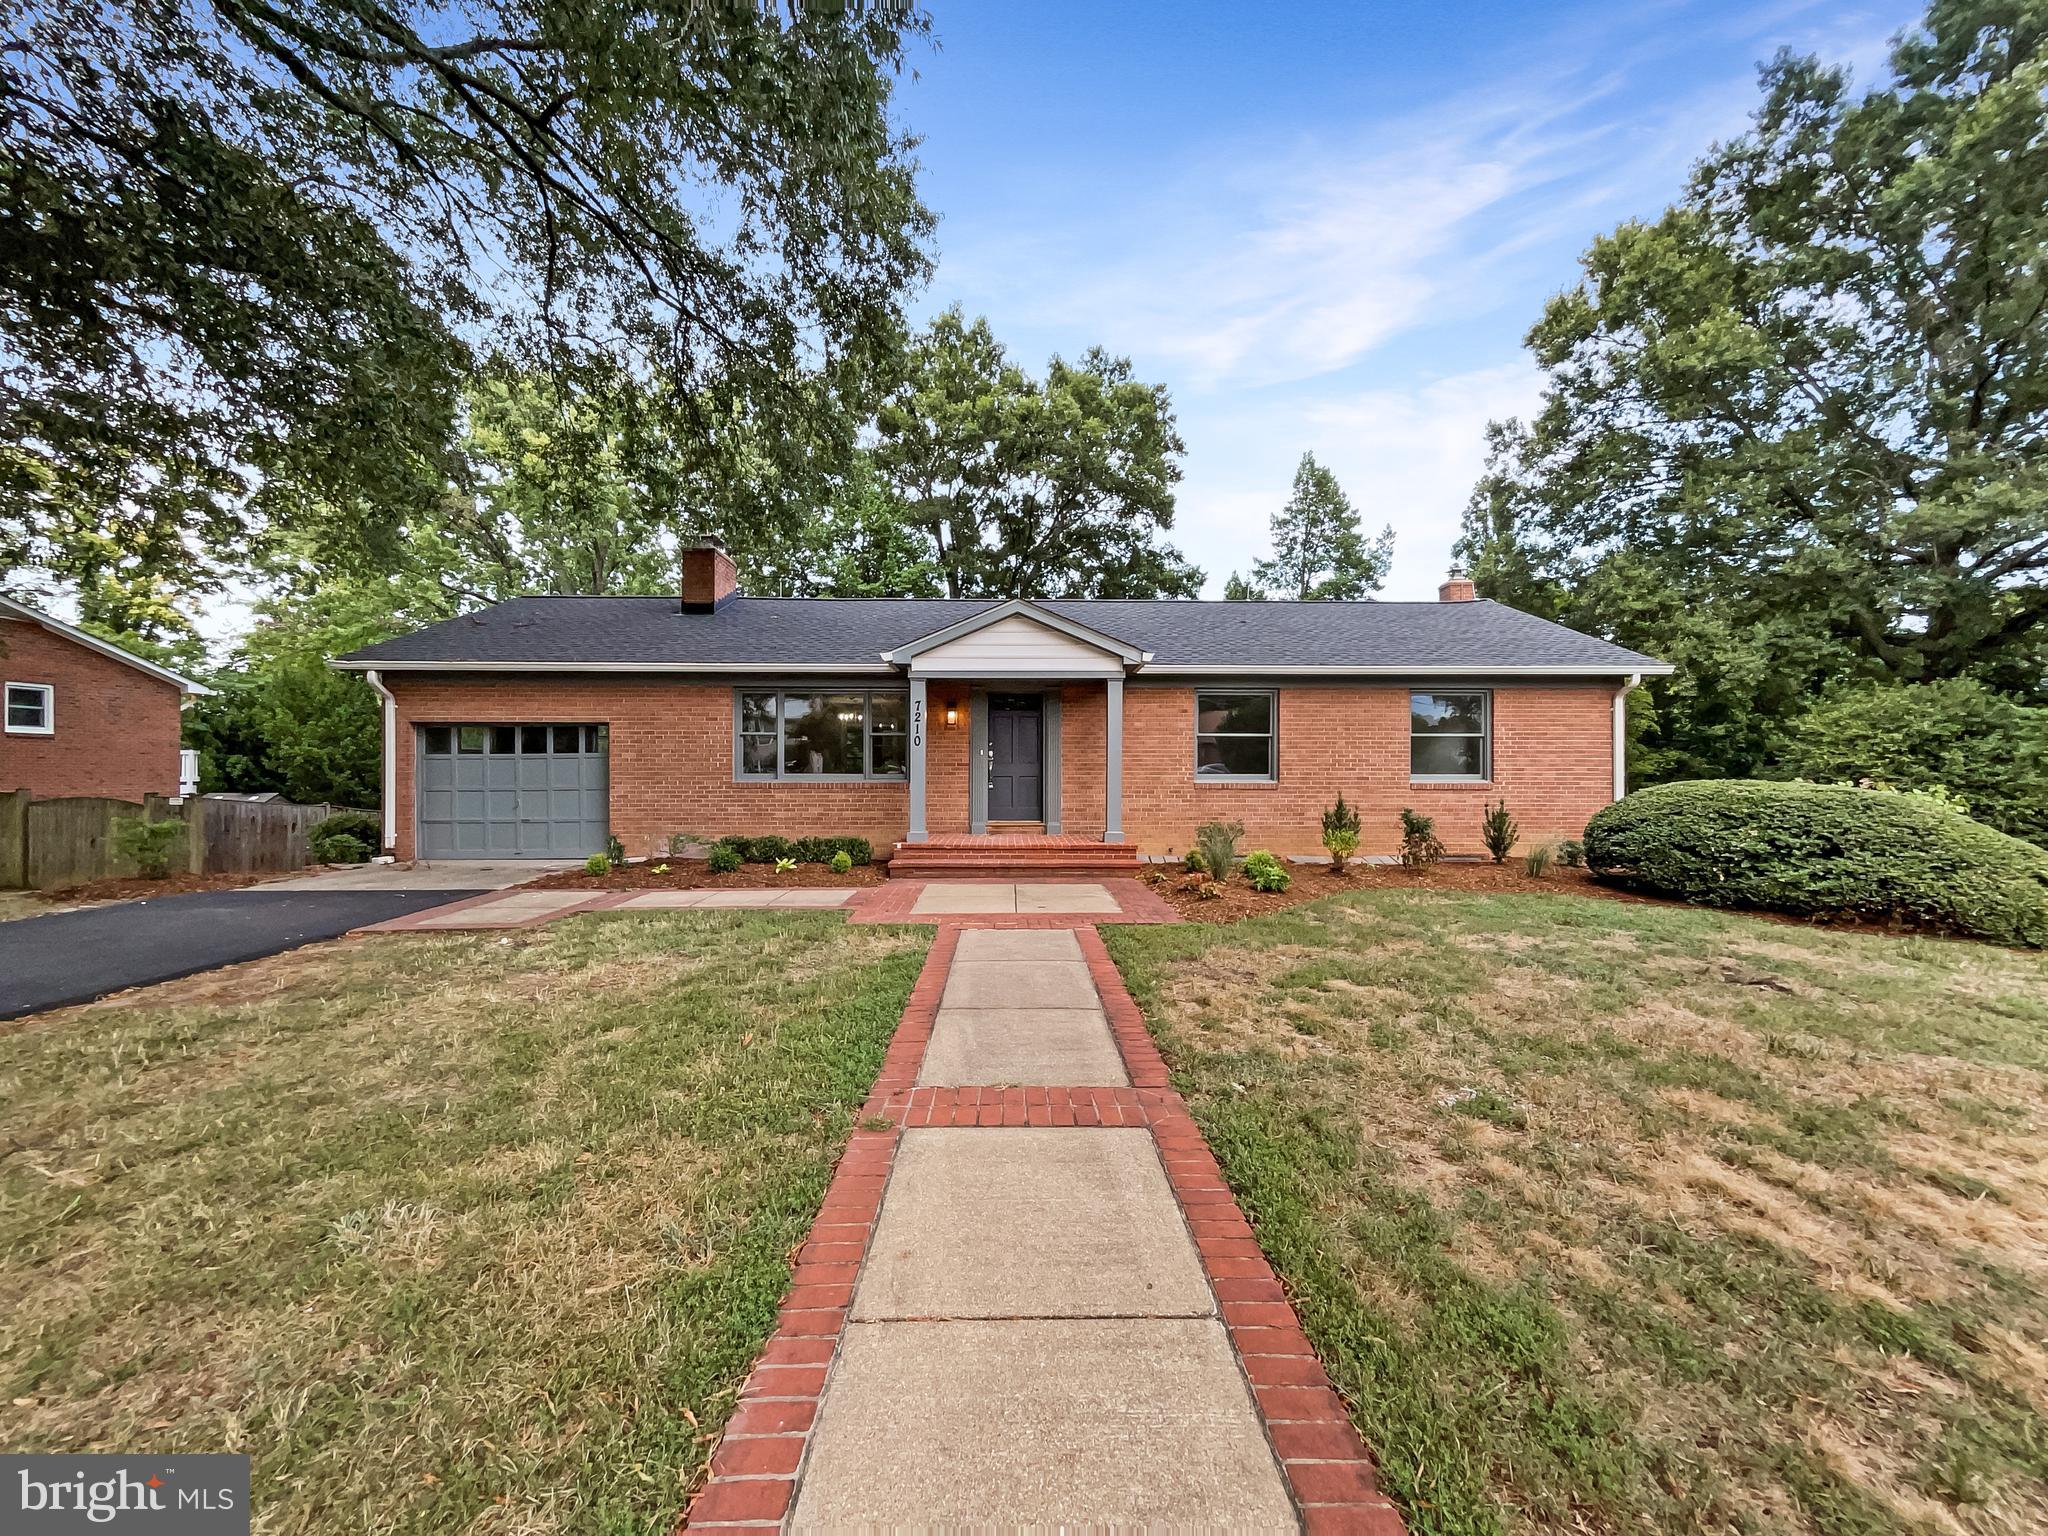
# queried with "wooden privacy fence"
point(45, 844)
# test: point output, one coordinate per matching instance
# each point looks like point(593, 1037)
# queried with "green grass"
point(449, 1234)
point(1616, 1217)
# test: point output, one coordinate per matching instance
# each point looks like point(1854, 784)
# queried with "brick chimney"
point(710, 579)
point(1458, 589)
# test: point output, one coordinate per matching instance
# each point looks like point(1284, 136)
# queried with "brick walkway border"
point(754, 1470)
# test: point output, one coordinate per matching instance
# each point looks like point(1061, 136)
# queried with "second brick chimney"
point(710, 579)
point(1458, 589)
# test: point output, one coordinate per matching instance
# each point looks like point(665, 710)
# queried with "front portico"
point(1015, 669)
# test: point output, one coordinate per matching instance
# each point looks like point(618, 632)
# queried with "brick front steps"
point(1012, 856)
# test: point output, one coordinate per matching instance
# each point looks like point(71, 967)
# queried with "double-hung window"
point(31, 709)
point(1234, 735)
point(1450, 736)
point(822, 734)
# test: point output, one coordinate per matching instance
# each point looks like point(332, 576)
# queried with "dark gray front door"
point(1013, 758)
point(513, 791)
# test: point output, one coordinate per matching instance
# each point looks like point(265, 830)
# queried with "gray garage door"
point(513, 791)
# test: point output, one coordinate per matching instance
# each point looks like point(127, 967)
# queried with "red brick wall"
point(117, 728)
point(1552, 762)
point(671, 763)
point(671, 759)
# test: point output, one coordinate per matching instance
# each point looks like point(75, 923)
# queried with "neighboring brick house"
point(81, 715)
point(543, 725)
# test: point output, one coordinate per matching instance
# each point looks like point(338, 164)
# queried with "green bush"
point(1217, 841)
point(359, 826)
point(337, 848)
point(597, 864)
point(1193, 862)
point(1955, 734)
point(842, 862)
point(147, 844)
point(615, 850)
point(1536, 862)
point(1263, 872)
point(724, 859)
point(1571, 853)
point(1340, 832)
point(1419, 845)
point(1823, 849)
point(805, 850)
point(1499, 831)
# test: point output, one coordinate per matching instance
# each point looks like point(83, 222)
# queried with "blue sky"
point(1323, 226)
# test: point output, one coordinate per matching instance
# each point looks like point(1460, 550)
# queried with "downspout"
point(390, 761)
point(1621, 733)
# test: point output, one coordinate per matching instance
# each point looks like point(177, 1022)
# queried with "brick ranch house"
point(543, 725)
point(82, 716)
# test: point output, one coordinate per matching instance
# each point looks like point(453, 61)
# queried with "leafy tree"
point(1954, 734)
point(1793, 431)
point(1022, 487)
point(1237, 589)
point(247, 242)
point(1318, 551)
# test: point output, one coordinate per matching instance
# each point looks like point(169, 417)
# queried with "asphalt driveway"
point(74, 957)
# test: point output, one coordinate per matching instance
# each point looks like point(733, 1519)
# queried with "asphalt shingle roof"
point(796, 632)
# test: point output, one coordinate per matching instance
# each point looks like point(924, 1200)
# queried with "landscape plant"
point(1217, 842)
point(1340, 833)
point(784, 866)
point(723, 859)
point(1823, 850)
point(147, 844)
point(597, 864)
point(1571, 853)
point(615, 850)
point(1419, 845)
point(1499, 831)
point(346, 837)
point(1193, 862)
point(842, 862)
point(1264, 872)
point(1536, 862)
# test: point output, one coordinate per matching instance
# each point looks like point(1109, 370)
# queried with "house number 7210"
point(917, 724)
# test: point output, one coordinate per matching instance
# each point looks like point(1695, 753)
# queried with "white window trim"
point(867, 738)
point(1485, 774)
point(49, 725)
point(1272, 736)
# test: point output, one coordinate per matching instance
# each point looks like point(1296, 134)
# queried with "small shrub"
point(661, 869)
point(1823, 849)
point(804, 850)
point(346, 837)
point(1340, 832)
point(784, 866)
point(1419, 846)
point(1571, 853)
point(1263, 872)
point(337, 848)
point(1209, 890)
point(615, 850)
point(1499, 832)
point(597, 864)
point(1218, 842)
point(147, 844)
point(724, 859)
point(842, 862)
point(1193, 862)
point(1536, 862)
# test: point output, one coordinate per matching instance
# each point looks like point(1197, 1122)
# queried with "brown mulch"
point(139, 888)
point(695, 875)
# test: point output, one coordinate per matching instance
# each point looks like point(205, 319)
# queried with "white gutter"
point(1636, 670)
point(1621, 733)
point(390, 758)
point(729, 668)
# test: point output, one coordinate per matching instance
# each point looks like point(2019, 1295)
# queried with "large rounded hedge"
point(1823, 848)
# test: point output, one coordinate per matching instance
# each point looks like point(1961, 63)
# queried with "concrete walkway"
point(1014, 1312)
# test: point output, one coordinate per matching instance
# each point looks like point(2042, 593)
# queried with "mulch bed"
point(136, 887)
point(695, 875)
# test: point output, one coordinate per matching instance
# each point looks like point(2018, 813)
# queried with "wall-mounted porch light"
point(952, 714)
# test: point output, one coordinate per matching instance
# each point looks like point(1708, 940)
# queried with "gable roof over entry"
point(1018, 638)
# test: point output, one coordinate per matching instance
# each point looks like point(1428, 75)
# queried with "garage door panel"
point(524, 791)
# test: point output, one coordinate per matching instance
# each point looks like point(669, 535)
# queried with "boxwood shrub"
point(346, 837)
point(805, 850)
point(1823, 849)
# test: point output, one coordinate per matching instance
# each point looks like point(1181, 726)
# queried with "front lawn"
point(471, 1233)
point(1614, 1218)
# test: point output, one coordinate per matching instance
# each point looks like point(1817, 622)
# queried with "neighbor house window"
point(1448, 736)
point(31, 709)
point(1234, 735)
point(822, 735)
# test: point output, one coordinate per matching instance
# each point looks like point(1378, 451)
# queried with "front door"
point(1013, 758)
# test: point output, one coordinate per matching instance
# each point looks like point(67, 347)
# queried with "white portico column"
point(917, 735)
point(1113, 765)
